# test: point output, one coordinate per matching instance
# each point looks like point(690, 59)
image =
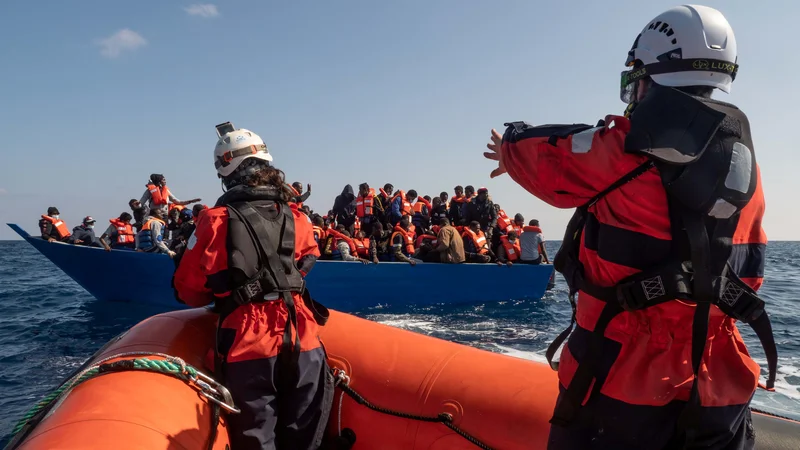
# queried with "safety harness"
point(688, 140)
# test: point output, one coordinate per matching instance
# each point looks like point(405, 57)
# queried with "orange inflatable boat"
point(482, 399)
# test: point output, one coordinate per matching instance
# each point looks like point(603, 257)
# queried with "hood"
point(347, 193)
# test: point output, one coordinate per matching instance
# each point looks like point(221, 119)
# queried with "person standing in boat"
point(366, 210)
point(139, 213)
point(249, 255)
point(383, 204)
point(666, 248)
point(150, 239)
point(157, 195)
point(52, 227)
point(456, 210)
point(481, 209)
point(300, 196)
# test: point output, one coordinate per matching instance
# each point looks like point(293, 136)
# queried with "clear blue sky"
point(96, 95)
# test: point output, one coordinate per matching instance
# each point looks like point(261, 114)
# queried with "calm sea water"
point(50, 325)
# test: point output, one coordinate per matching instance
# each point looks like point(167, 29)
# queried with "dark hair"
point(156, 177)
point(377, 226)
point(297, 185)
point(125, 216)
point(458, 188)
point(346, 233)
point(405, 220)
point(411, 193)
point(443, 193)
point(469, 188)
point(387, 186)
point(340, 227)
point(267, 175)
point(318, 221)
point(131, 202)
point(475, 223)
point(363, 186)
point(534, 223)
point(512, 234)
point(427, 197)
point(444, 221)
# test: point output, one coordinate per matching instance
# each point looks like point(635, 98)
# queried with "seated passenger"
point(362, 244)
point(151, 237)
point(508, 251)
point(379, 244)
point(83, 234)
point(119, 235)
point(476, 249)
point(450, 246)
point(403, 241)
point(531, 243)
point(52, 228)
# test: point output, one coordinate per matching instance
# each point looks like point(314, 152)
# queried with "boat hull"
point(502, 401)
point(138, 277)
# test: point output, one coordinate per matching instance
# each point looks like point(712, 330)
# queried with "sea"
point(49, 326)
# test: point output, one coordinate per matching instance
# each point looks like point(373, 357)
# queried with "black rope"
point(443, 418)
point(215, 413)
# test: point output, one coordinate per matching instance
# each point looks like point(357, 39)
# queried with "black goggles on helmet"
point(629, 78)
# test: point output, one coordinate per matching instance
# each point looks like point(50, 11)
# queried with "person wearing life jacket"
point(665, 250)
point(362, 242)
point(119, 235)
point(438, 210)
point(509, 249)
point(365, 207)
point(150, 239)
point(320, 234)
point(481, 209)
point(158, 195)
point(518, 224)
point(173, 224)
point(299, 196)
point(186, 226)
point(331, 248)
point(456, 209)
point(343, 246)
point(402, 241)
point(249, 255)
point(83, 234)
point(401, 205)
point(379, 244)
point(443, 197)
point(425, 244)
point(52, 227)
point(384, 203)
point(476, 247)
point(421, 217)
point(531, 243)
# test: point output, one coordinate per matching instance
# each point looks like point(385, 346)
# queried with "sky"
point(97, 95)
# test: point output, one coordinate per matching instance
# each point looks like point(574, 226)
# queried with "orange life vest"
point(406, 209)
point(362, 246)
point(512, 250)
point(339, 236)
point(146, 225)
point(479, 240)
point(159, 194)
point(408, 238)
point(503, 222)
point(124, 231)
point(418, 205)
point(319, 234)
point(364, 204)
point(531, 228)
point(357, 225)
point(176, 206)
point(517, 229)
point(423, 237)
point(59, 225)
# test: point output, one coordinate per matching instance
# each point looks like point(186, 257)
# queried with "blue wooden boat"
point(138, 277)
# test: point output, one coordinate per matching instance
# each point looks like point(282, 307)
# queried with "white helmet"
point(688, 45)
point(235, 146)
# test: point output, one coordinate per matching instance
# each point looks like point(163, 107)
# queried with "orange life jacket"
point(531, 228)
point(364, 204)
point(503, 222)
point(176, 206)
point(299, 204)
point(512, 250)
point(59, 225)
point(159, 194)
point(408, 238)
point(339, 236)
point(418, 205)
point(362, 246)
point(517, 229)
point(319, 234)
point(357, 225)
point(479, 240)
point(125, 233)
point(423, 237)
point(406, 209)
point(146, 225)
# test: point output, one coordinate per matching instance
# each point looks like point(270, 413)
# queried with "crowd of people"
point(157, 223)
point(366, 226)
point(391, 225)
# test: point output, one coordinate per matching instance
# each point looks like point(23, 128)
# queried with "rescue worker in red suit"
point(665, 251)
point(249, 254)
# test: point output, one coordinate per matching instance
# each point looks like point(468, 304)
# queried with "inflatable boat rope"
point(173, 366)
point(342, 380)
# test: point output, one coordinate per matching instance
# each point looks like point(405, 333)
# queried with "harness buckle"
point(737, 302)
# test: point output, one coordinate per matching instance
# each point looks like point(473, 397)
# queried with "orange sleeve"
point(304, 242)
point(205, 261)
point(566, 165)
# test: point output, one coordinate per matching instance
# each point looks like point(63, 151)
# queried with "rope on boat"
point(343, 381)
point(217, 394)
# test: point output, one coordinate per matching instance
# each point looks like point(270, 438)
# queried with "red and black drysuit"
point(244, 256)
point(665, 252)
